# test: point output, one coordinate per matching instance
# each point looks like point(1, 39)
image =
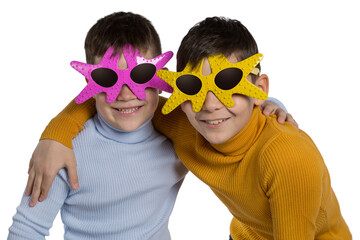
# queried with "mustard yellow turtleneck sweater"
point(271, 177)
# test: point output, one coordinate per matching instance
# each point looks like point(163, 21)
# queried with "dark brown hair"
point(119, 29)
point(213, 36)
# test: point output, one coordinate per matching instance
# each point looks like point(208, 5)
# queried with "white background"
point(311, 54)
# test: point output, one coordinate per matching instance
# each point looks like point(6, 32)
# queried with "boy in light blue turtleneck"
point(122, 195)
point(129, 173)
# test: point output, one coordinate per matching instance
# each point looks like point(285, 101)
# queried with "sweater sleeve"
point(68, 123)
point(292, 172)
point(34, 222)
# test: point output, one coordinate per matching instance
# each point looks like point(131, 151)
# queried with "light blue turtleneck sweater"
point(128, 185)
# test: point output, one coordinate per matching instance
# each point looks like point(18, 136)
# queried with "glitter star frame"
point(218, 63)
point(123, 76)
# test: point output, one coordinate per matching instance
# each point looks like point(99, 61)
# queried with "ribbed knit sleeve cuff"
point(68, 123)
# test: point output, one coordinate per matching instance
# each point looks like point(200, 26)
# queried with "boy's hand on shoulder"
point(271, 108)
point(48, 158)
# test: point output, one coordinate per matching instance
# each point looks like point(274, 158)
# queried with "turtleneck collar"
point(242, 141)
point(141, 134)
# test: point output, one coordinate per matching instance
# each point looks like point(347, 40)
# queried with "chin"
point(130, 128)
point(127, 127)
point(216, 139)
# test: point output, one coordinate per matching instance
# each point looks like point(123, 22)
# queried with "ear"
point(263, 83)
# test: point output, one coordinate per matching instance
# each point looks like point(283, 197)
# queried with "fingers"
point(290, 119)
point(72, 174)
point(281, 115)
point(272, 108)
point(36, 190)
point(267, 109)
point(30, 164)
point(30, 183)
point(45, 186)
point(48, 158)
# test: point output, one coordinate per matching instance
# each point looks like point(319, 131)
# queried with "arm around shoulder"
point(68, 123)
point(54, 151)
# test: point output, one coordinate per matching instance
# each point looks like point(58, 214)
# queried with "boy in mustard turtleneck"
point(271, 177)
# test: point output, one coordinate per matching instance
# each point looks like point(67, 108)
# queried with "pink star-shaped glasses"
point(106, 77)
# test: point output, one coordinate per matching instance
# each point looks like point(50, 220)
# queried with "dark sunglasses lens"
point(189, 84)
point(228, 78)
point(143, 73)
point(104, 77)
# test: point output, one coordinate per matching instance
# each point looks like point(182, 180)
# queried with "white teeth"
point(128, 110)
point(214, 122)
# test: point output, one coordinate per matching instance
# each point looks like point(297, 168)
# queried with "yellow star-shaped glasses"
point(226, 79)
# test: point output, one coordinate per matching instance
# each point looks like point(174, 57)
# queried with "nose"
point(125, 94)
point(212, 103)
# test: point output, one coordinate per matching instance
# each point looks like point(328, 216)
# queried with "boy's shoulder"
point(284, 144)
point(274, 131)
point(287, 156)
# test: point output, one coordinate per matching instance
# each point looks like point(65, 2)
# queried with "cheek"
point(152, 97)
point(241, 104)
point(98, 101)
point(100, 97)
point(240, 99)
point(101, 103)
point(186, 107)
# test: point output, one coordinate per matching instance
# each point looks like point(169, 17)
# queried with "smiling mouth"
point(214, 122)
point(127, 110)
